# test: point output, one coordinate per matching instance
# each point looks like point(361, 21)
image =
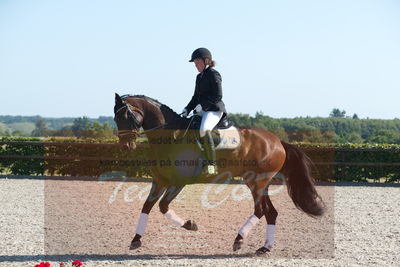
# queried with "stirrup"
point(210, 170)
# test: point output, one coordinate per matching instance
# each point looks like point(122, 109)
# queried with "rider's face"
point(199, 63)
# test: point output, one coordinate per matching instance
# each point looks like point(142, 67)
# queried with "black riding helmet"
point(201, 53)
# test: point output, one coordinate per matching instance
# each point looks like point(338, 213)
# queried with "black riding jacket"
point(208, 91)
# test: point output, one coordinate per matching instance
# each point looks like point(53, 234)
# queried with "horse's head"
point(129, 119)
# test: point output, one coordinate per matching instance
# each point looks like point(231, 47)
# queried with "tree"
point(40, 128)
point(281, 133)
point(264, 122)
point(337, 113)
point(65, 131)
point(385, 137)
point(18, 133)
point(354, 138)
point(100, 130)
point(80, 125)
point(240, 119)
point(85, 128)
point(6, 133)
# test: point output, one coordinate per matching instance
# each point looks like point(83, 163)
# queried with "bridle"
point(132, 132)
point(135, 132)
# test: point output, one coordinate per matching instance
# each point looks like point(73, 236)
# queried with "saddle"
point(224, 123)
point(224, 134)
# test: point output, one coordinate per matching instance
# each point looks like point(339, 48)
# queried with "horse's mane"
point(155, 102)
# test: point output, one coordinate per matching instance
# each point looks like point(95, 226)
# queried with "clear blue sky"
point(284, 58)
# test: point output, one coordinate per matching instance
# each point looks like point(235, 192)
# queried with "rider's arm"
point(195, 99)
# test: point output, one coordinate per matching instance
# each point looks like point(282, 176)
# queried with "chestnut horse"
point(270, 157)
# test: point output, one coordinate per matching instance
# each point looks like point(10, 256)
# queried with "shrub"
point(93, 157)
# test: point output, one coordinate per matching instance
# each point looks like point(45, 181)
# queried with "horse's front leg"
point(248, 226)
point(171, 216)
point(154, 195)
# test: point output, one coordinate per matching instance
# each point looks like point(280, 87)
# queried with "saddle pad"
point(230, 138)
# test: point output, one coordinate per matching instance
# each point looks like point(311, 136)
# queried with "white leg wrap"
point(172, 217)
point(270, 236)
point(141, 226)
point(249, 224)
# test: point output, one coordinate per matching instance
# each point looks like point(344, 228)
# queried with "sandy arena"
point(95, 221)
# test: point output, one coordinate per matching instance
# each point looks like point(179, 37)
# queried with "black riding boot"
point(209, 166)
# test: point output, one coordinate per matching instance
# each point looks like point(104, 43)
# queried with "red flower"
point(62, 264)
point(77, 263)
point(43, 264)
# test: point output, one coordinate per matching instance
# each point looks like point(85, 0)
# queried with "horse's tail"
point(300, 183)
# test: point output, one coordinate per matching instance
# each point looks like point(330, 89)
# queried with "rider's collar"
point(207, 66)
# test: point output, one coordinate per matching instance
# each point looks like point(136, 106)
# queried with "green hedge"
point(26, 161)
point(92, 157)
point(355, 162)
point(70, 157)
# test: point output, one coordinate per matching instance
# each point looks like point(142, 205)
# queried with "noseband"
point(133, 133)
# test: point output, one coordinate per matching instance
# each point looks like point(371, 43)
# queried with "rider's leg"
point(208, 122)
point(209, 151)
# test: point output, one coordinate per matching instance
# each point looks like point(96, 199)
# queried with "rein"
point(187, 128)
point(136, 132)
point(160, 126)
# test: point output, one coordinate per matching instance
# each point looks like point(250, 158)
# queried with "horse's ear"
point(118, 99)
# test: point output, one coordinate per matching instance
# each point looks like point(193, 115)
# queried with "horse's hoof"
point(262, 251)
point(237, 244)
point(135, 244)
point(190, 225)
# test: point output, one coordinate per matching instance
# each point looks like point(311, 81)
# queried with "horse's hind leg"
point(270, 214)
point(170, 195)
point(257, 189)
point(154, 195)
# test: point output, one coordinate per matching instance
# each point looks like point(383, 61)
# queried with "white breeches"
point(208, 121)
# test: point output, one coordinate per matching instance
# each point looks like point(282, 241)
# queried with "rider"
point(207, 100)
